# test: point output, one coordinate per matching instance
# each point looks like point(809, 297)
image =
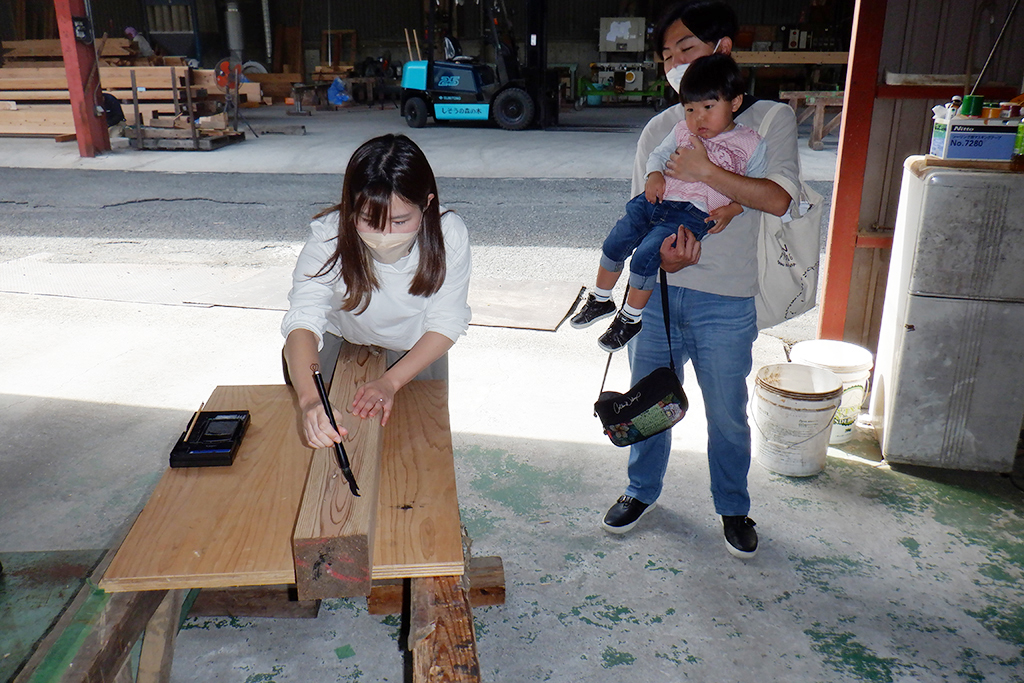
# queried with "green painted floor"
point(865, 574)
point(34, 590)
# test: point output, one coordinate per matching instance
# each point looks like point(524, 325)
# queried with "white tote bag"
point(788, 254)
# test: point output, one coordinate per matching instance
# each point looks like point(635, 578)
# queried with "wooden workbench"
point(216, 527)
point(815, 101)
point(232, 527)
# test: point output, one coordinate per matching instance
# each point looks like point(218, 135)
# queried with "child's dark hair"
point(384, 167)
point(715, 77)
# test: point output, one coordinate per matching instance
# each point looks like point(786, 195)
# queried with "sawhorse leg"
point(441, 636)
point(159, 638)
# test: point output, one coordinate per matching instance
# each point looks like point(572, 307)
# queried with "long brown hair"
point(384, 167)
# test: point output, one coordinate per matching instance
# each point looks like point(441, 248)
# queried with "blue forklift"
point(461, 88)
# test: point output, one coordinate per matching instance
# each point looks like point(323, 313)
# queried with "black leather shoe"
point(619, 332)
point(624, 515)
point(740, 537)
point(592, 311)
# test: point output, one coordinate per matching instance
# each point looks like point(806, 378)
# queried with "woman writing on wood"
point(384, 267)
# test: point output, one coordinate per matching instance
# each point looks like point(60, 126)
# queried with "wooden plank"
point(441, 635)
point(972, 164)
point(111, 77)
point(334, 535)
point(33, 95)
point(789, 57)
point(158, 641)
point(223, 526)
point(50, 48)
point(418, 527)
point(38, 119)
point(278, 602)
point(486, 579)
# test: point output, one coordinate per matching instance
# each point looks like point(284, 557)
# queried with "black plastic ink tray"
point(211, 439)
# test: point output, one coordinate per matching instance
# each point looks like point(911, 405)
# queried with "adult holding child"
point(386, 266)
point(712, 283)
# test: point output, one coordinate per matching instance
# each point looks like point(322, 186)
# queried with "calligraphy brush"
point(339, 450)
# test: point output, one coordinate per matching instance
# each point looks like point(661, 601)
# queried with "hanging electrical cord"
point(995, 45)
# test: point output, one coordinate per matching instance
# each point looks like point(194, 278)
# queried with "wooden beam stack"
point(35, 100)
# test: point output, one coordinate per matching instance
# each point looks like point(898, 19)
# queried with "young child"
point(711, 92)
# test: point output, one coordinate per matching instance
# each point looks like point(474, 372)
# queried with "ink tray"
point(211, 439)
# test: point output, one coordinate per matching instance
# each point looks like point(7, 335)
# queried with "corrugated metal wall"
point(920, 37)
point(930, 37)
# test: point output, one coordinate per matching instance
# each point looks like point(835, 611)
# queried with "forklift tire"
point(513, 109)
point(415, 112)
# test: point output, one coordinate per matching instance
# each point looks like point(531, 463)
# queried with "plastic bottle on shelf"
point(1017, 160)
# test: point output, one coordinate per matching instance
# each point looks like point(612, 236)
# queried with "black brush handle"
point(343, 462)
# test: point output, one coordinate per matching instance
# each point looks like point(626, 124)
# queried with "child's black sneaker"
point(619, 332)
point(592, 311)
point(740, 537)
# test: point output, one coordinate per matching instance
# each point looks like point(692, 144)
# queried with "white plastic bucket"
point(852, 364)
point(792, 413)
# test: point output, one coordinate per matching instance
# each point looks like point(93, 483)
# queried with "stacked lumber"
point(327, 74)
point(36, 100)
point(275, 86)
point(32, 53)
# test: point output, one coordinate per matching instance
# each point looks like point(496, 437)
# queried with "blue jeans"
point(716, 333)
point(640, 233)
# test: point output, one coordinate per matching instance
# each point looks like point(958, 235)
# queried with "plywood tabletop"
point(218, 527)
point(418, 528)
point(213, 527)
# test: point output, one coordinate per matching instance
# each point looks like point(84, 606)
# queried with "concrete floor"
point(865, 573)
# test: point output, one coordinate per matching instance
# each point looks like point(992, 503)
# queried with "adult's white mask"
point(388, 247)
point(675, 74)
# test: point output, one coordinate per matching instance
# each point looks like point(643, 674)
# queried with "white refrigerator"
point(948, 385)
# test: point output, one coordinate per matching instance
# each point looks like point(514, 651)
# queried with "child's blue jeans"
point(640, 233)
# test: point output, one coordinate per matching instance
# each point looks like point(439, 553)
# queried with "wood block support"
point(158, 641)
point(83, 81)
point(441, 636)
point(333, 539)
point(486, 580)
point(279, 602)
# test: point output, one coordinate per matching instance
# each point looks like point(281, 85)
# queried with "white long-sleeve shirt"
point(394, 319)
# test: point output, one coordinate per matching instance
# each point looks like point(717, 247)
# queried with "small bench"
point(816, 101)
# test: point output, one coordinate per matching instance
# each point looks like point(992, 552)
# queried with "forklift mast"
point(506, 55)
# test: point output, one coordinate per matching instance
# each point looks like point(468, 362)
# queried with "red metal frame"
point(83, 75)
point(858, 107)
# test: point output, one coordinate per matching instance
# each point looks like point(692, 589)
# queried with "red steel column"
point(858, 107)
point(83, 82)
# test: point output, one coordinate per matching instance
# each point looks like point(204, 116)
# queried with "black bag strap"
point(668, 328)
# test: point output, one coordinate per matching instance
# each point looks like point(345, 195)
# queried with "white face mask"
point(388, 248)
point(675, 74)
